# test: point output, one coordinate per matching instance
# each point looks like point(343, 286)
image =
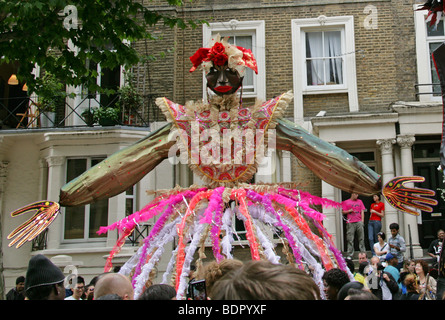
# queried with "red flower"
point(220, 59)
point(200, 55)
point(218, 48)
point(249, 59)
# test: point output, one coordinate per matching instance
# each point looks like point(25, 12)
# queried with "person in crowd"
point(397, 244)
point(263, 280)
point(78, 289)
point(361, 269)
point(408, 267)
point(17, 293)
point(114, 283)
point(360, 294)
point(353, 210)
point(357, 275)
point(362, 257)
point(44, 280)
point(381, 248)
point(441, 276)
point(159, 292)
point(333, 280)
point(412, 288)
point(381, 283)
point(427, 284)
point(111, 296)
point(391, 267)
point(345, 289)
point(435, 247)
point(89, 292)
point(377, 212)
point(216, 270)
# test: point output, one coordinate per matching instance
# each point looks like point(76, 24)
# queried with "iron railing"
point(28, 113)
point(135, 239)
point(138, 235)
point(433, 89)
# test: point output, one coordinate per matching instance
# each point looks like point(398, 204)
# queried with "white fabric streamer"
point(170, 266)
point(266, 244)
point(165, 236)
point(131, 263)
point(199, 228)
point(226, 243)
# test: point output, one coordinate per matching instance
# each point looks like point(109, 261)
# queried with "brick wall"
point(385, 57)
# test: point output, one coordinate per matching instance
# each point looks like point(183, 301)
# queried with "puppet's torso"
point(221, 140)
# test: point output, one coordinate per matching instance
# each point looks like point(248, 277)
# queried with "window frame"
point(307, 89)
point(257, 30)
point(87, 207)
point(423, 56)
point(323, 23)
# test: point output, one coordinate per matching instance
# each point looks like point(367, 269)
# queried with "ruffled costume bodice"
point(224, 115)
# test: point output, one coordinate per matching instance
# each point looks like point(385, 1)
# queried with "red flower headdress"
point(220, 52)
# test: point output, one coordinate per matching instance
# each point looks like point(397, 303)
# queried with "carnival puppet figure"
point(223, 142)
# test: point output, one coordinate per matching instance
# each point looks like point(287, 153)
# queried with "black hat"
point(41, 271)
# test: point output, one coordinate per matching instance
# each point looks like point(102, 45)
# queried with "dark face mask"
point(223, 80)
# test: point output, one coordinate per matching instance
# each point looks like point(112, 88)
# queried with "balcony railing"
point(428, 88)
point(28, 113)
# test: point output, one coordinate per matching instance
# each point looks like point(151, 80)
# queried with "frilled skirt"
point(200, 217)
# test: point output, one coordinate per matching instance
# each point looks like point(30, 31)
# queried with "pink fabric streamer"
point(171, 202)
point(240, 195)
point(149, 211)
point(181, 242)
point(215, 209)
point(266, 202)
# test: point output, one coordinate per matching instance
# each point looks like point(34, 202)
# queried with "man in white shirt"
point(78, 289)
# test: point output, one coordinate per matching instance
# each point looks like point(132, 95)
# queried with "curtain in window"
point(245, 42)
point(324, 61)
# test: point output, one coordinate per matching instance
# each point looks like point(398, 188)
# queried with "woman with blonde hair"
point(412, 288)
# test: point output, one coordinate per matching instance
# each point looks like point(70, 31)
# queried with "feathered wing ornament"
point(45, 212)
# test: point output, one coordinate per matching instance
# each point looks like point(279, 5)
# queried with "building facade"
point(362, 78)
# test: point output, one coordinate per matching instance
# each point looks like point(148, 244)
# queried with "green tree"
point(44, 33)
point(38, 32)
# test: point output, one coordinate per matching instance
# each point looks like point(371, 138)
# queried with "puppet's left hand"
point(408, 199)
point(45, 213)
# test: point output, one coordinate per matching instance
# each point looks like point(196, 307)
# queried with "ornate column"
point(56, 178)
point(406, 142)
point(386, 150)
point(333, 222)
point(286, 166)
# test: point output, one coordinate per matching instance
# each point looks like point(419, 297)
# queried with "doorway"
point(426, 153)
point(367, 157)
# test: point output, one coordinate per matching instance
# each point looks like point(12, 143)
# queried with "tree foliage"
point(46, 32)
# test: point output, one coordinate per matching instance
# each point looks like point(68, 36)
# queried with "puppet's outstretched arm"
point(108, 178)
point(119, 171)
point(344, 171)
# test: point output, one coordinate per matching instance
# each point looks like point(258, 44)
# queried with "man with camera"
point(382, 284)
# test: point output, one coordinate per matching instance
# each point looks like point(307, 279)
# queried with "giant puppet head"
point(224, 65)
